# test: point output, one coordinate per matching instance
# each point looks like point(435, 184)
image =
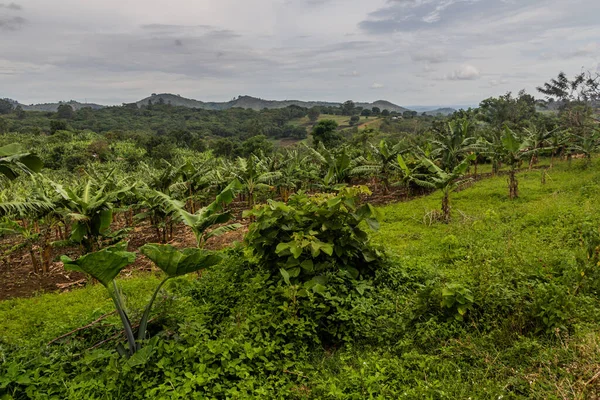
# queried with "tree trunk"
point(446, 207)
point(46, 253)
point(34, 261)
point(513, 184)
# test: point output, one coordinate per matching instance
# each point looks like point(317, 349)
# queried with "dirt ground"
point(17, 278)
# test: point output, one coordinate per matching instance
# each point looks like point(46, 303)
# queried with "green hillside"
point(501, 303)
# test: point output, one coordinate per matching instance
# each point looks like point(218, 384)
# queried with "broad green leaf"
point(295, 250)
point(282, 247)
point(175, 262)
point(307, 265)
point(318, 288)
point(327, 248)
point(285, 274)
point(104, 265)
point(294, 272)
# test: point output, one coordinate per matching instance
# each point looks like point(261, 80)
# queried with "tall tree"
point(325, 131)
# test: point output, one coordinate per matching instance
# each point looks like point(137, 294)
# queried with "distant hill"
point(247, 102)
point(53, 107)
point(255, 103)
point(440, 111)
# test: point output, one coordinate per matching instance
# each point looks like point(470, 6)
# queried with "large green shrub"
point(313, 235)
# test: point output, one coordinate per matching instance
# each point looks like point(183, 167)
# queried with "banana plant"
point(90, 206)
point(539, 139)
point(252, 176)
point(106, 264)
point(513, 150)
point(410, 176)
point(161, 209)
point(586, 145)
point(13, 159)
point(445, 181)
point(383, 163)
point(452, 144)
point(213, 214)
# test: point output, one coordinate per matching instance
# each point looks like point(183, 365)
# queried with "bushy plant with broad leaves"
point(311, 235)
point(318, 255)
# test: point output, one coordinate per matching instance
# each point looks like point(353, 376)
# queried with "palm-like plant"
point(211, 215)
point(90, 206)
point(586, 145)
point(338, 165)
point(512, 152)
point(383, 163)
point(539, 139)
point(444, 181)
point(557, 142)
point(453, 144)
point(252, 174)
point(13, 159)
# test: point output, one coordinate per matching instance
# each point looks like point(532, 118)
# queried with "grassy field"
point(530, 329)
point(342, 120)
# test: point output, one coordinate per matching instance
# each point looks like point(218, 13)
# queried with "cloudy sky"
point(410, 52)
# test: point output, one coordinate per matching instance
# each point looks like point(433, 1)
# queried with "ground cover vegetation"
point(484, 288)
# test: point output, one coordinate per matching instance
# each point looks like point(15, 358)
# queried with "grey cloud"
point(11, 6)
point(431, 56)
point(169, 27)
point(590, 49)
point(11, 23)
point(350, 74)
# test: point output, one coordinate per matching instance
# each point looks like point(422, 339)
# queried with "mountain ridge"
point(256, 103)
point(245, 101)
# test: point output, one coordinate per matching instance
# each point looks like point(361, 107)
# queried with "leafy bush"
point(313, 235)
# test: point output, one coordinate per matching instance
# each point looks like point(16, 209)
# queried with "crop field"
point(179, 249)
point(530, 329)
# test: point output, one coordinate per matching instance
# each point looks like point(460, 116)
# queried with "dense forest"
point(324, 252)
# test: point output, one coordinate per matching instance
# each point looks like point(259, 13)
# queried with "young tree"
point(313, 114)
point(348, 108)
point(325, 131)
point(6, 106)
point(444, 181)
point(512, 151)
point(65, 111)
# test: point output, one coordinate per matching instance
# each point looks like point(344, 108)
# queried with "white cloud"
point(466, 72)
point(377, 86)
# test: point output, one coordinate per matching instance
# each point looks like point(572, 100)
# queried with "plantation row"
point(47, 213)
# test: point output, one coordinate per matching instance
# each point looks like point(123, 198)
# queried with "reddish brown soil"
point(17, 278)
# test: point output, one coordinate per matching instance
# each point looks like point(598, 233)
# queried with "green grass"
point(342, 120)
point(532, 331)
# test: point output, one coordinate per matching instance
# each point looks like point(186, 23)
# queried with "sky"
point(409, 52)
